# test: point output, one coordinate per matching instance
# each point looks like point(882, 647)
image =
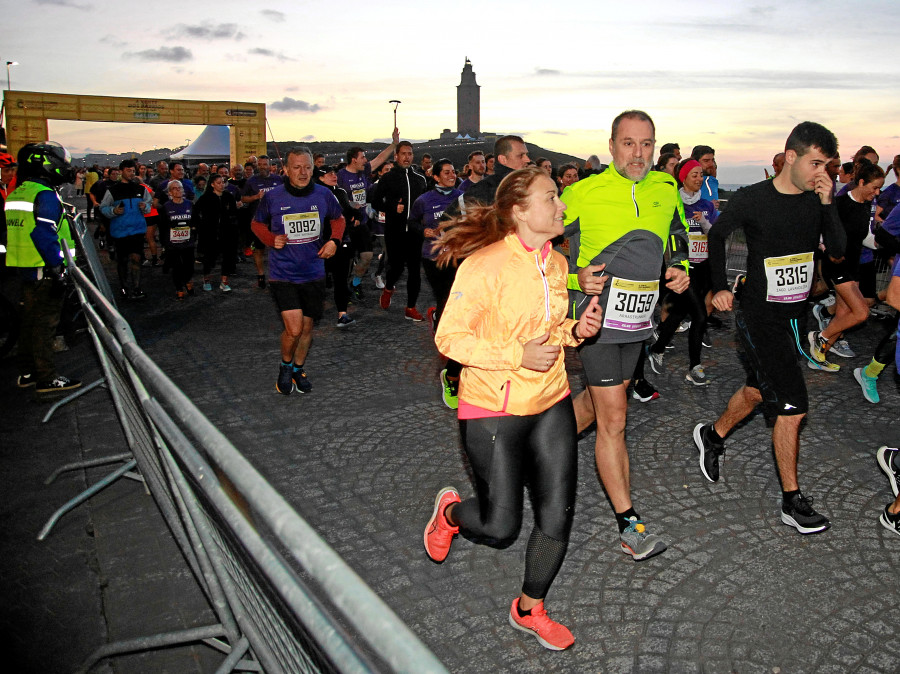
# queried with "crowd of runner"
point(524, 259)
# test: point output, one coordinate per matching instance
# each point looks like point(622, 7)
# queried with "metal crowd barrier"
point(284, 601)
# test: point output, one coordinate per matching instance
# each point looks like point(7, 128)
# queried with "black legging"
point(686, 303)
point(214, 243)
point(507, 452)
point(404, 249)
point(339, 267)
point(441, 281)
point(181, 261)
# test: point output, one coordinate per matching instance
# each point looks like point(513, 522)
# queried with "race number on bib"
point(180, 234)
point(630, 305)
point(302, 227)
point(359, 196)
point(789, 278)
point(699, 247)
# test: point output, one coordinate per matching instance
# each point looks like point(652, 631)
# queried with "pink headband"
point(689, 166)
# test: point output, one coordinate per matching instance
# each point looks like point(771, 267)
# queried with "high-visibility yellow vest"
point(20, 223)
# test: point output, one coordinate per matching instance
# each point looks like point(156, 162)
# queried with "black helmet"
point(48, 160)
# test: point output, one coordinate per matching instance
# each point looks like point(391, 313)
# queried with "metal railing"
point(284, 601)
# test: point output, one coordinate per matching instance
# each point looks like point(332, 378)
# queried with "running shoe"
point(711, 448)
point(138, 294)
point(869, 385)
point(190, 288)
point(828, 301)
point(261, 281)
point(890, 521)
point(57, 385)
point(842, 348)
point(890, 464)
point(379, 281)
point(655, 360)
point(180, 295)
point(356, 292)
point(124, 294)
point(697, 376)
point(345, 320)
point(550, 634)
point(449, 390)
point(643, 390)
point(147, 263)
point(285, 382)
point(684, 326)
point(385, 300)
point(301, 381)
point(638, 543)
point(706, 340)
point(438, 532)
point(429, 316)
point(224, 287)
point(412, 314)
point(817, 354)
point(25, 380)
point(799, 513)
point(207, 286)
point(821, 316)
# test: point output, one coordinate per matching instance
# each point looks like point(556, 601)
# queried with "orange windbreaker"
point(504, 296)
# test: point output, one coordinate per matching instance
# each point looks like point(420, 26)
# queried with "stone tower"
point(468, 103)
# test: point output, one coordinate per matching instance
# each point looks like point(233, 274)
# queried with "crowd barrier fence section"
point(283, 600)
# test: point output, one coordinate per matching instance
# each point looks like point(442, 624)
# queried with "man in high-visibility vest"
point(37, 229)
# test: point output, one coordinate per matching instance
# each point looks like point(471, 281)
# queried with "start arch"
point(27, 113)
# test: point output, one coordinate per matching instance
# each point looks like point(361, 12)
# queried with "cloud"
point(556, 133)
point(268, 52)
point(170, 54)
point(546, 71)
point(308, 138)
point(221, 31)
point(62, 3)
point(746, 79)
point(273, 15)
point(113, 41)
point(293, 105)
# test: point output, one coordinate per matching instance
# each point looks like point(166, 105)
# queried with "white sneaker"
point(379, 282)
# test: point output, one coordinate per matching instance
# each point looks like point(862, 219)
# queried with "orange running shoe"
point(438, 532)
point(550, 634)
point(412, 314)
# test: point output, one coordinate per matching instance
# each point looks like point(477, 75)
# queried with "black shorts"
point(130, 245)
point(609, 364)
point(152, 220)
point(836, 273)
point(307, 297)
point(769, 355)
point(361, 238)
point(867, 280)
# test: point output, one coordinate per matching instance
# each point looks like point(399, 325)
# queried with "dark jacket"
point(215, 217)
point(399, 186)
point(485, 190)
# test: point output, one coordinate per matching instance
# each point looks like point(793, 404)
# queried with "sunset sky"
point(734, 75)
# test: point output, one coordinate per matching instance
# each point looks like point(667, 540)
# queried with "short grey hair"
point(177, 183)
point(300, 150)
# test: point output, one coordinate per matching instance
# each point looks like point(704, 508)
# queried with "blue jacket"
point(135, 199)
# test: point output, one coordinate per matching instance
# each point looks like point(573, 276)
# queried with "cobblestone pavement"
point(362, 456)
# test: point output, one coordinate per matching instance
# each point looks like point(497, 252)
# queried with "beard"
point(633, 165)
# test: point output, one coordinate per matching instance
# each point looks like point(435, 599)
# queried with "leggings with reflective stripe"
point(507, 452)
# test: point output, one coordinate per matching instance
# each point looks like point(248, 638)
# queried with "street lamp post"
point(9, 64)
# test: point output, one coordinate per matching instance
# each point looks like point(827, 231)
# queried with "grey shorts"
point(609, 364)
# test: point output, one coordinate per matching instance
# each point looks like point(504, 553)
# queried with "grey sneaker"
point(684, 326)
point(711, 448)
point(799, 513)
point(638, 543)
point(697, 376)
point(842, 348)
point(889, 462)
point(821, 316)
point(655, 360)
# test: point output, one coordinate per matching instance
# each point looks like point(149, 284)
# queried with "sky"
point(733, 75)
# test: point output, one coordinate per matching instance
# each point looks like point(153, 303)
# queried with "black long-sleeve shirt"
point(775, 225)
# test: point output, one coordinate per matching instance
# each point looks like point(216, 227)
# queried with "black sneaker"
point(301, 381)
point(285, 383)
point(711, 448)
point(799, 513)
point(138, 294)
point(643, 390)
point(124, 294)
point(889, 462)
point(57, 385)
point(356, 292)
point(261, 281)
point(890, 521)
point(25, 380)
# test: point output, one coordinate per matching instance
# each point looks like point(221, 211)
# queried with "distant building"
point(468, 104)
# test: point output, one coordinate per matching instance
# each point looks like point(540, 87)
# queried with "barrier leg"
point(115, 458)
point(72, 396)
point(150, 643)
point(84, 496)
